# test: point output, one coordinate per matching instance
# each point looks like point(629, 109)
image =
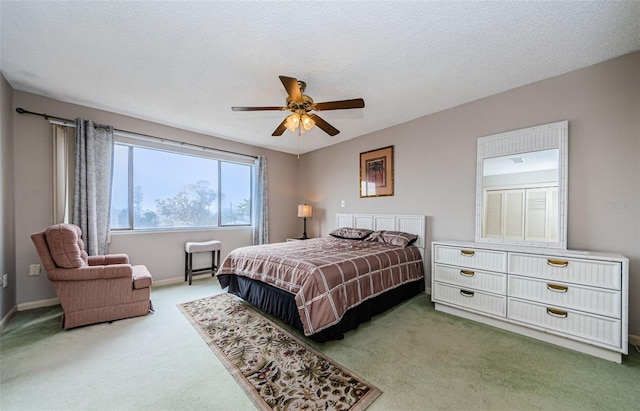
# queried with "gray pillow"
point(351, 233)
point(398, 238)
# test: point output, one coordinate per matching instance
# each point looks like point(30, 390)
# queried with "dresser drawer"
point(477, 280)
point(596, 273)
point(598, 329)
point(471, 258)
point(472, 299)
point(577, 297)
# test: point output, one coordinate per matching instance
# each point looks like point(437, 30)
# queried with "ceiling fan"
point(300, 105)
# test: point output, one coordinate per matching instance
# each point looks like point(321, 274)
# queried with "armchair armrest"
point(108, 259)
point(91, 273)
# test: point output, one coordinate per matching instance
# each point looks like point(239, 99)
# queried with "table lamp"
point(305, 211)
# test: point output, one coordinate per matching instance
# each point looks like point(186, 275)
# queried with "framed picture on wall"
point(376, 172)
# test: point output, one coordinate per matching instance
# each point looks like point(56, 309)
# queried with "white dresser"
point(575, 299)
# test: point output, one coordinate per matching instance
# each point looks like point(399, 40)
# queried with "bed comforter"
point(328, 276)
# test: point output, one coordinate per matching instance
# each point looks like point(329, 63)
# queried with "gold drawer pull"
point(467, 273)
point(557, 288)
point(467, 253)
point(466, 293)
point(557, 313)
point(557, 263)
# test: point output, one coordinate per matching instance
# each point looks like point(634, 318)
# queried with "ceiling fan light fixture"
point(307, 122)
point(293, 121)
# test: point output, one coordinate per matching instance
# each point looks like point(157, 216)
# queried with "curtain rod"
point(162, 139)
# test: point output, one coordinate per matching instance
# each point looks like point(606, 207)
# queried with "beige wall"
point(435, 162)
point(7, 225)
point(162, 253)
point(434, 172)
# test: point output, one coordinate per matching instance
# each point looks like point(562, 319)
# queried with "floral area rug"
point(277, 370)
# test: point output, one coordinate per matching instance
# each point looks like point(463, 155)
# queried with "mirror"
point(521, 187)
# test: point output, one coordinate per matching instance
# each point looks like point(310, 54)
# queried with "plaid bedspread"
point(327, 275)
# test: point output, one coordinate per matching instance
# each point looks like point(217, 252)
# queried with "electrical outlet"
point(342, 203)
point(5, 280)
point(34, 269)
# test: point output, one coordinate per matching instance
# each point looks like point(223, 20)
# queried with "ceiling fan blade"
point(339, 105)
point(292, 87)
point(257, 108)
point(326, 127)
point(280, 129)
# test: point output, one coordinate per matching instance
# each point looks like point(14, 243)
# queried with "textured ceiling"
point(184, 64)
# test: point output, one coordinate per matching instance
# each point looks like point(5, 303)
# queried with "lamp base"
point(304, 234)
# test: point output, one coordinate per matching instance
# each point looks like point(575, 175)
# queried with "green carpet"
point(277, 370)
point(422, 360)
point(442, 362)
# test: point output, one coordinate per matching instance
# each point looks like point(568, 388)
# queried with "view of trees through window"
point(176, 190)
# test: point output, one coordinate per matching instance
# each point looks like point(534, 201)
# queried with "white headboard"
point(412, 224)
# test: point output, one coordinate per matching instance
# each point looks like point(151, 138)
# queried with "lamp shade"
point(307, 122)
point(304, 210)
point(292, 122)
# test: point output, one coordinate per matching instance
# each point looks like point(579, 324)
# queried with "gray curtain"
point(92, 193)
point(260, 203)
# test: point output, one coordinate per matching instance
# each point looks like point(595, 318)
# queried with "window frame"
point(184, 149)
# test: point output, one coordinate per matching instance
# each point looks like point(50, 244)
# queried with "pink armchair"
point(91, 289)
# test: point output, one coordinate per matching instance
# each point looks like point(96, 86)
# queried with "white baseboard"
point(38, 304)
point(12, 312)
point(54, 301)
point(634, 339)
point(167, 281)
point(170, 281)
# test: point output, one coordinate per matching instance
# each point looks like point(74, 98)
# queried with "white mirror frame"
point(544, 137)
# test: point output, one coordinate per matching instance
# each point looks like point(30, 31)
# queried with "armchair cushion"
point(66, 245)
point(108, 259)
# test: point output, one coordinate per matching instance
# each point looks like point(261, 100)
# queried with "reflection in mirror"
point(521, 196)
point(521, 193)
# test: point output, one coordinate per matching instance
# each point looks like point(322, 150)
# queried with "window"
point(154, 188)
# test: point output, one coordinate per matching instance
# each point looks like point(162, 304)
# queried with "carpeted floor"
point(421, 359)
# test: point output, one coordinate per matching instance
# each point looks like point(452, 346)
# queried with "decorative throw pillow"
point(66, 246)
point(351, 233)
point(398, 238)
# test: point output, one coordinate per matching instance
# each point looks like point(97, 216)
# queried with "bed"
point(327, 286)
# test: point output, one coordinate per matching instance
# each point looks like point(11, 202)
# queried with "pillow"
point(66, 246)
point(351, 233)
point(398, 238)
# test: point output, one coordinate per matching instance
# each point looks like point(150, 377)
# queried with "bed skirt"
point(282, 304)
